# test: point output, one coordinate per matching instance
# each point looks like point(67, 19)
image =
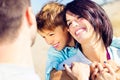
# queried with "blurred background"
point(40, 48)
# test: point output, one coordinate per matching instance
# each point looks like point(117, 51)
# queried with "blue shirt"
point(57, 57)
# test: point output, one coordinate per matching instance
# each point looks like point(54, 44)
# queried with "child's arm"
point(77, 71)
point(59, 75)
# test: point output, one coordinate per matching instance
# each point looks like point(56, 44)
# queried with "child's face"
point(58, 37)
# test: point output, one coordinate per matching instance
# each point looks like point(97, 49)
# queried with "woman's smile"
point(80, 31)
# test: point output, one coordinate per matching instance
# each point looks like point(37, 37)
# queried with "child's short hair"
point(50, 16)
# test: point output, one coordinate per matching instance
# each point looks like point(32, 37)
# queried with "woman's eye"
point(79, 16)
point(68, 24)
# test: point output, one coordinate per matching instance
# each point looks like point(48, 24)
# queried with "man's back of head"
point(17, 34)
point(11, 14)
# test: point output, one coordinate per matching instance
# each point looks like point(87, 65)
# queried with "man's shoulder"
point(12, 72)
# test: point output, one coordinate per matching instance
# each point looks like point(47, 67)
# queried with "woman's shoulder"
point(115, 42)
point(114, 50)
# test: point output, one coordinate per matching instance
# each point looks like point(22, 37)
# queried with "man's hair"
point(50, 16)
point(11, 13)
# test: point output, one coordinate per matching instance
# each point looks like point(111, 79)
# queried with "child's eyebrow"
point(49, 32)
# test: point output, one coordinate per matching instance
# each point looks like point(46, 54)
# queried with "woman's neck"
point(95, 50)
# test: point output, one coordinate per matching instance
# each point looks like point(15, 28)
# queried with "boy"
point(52, 28)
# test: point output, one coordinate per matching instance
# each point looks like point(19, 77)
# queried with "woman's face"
point(79, 28)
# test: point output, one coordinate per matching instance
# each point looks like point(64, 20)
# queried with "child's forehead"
point(57, 28)
point(48, 30)
point(45, 32)
point(53, 27)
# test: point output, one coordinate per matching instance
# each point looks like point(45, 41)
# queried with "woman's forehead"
point(72, 14)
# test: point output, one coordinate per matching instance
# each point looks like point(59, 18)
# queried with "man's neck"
point(17, 54)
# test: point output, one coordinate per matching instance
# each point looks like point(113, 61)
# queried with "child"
point(53, 29)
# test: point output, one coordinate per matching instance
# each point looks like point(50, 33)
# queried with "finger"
point(94, 74)
point(93, 66)
point(100, 67)
point(73, 63)
point(67, 69)
point(110, 69)
point(96, 70)
point(92, 77)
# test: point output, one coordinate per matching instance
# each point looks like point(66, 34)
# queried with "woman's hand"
point(102, 71)
point(78, 71)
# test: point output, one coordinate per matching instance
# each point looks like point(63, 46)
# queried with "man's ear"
point(30, 16)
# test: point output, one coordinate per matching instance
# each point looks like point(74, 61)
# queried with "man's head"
point(51, 25)
point(13, 15)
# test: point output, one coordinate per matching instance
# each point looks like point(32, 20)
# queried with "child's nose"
point(50, 41)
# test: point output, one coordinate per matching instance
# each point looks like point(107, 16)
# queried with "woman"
point(90, 26)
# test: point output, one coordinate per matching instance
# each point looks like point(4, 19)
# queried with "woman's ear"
point(68, 29)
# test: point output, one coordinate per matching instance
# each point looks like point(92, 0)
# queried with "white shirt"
point(12, 72)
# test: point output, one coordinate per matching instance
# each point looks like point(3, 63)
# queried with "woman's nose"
point(74, 24)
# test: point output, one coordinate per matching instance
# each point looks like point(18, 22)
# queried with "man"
point(17, 35)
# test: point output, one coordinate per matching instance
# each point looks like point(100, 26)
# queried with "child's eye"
point(43, 36)
point(51, 34)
